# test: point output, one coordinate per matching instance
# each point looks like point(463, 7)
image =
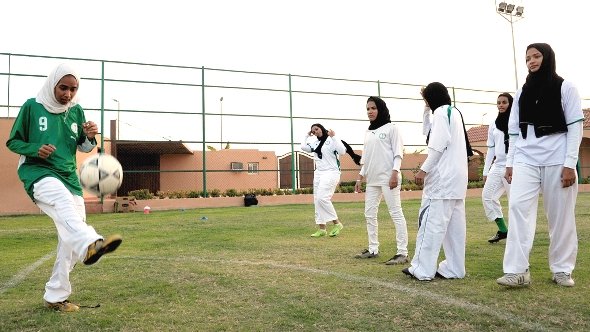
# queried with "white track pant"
point(559, 204)
point(442, 222)
point(324, 185)
point(495, 186)
point(74, 235)
point(392, 198)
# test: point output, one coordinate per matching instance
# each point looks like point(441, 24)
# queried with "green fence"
point(213, 109)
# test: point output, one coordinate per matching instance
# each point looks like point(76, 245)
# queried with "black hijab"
point(318, 149)
point(540, 99)
point(382, 113)
point(502, 119)
point(437, 95)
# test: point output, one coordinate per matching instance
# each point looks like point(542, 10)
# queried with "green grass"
point(257, 269)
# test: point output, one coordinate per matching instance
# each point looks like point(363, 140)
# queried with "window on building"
point(236, 166)
point(252, 168)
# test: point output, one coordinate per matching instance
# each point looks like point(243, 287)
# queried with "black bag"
point(250, 199)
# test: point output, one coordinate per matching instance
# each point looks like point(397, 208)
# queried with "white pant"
point(495, 186)
point(442, 222)
point(74, 235)
point(324, 185)
point(373, 196)
point(559, 204)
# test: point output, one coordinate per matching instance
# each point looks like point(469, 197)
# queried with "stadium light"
point(221, 120)
point(506, 11)
point(118, 116)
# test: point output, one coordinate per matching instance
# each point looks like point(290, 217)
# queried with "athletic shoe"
point(499, 236)
point(439, 276)
point(563, 279)
point(101, 247)
point(319, 233)
point(336, 230)
point(515, 279)
point(366, 254)
point(64, 306)
point(398, 259)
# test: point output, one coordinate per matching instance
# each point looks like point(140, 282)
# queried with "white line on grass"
point(22, 274)
point(415, 292)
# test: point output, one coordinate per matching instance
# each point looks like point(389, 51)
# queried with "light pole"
point(511, 13)
point(118, 116)
point(221, 120)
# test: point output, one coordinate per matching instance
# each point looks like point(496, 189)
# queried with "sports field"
point(257, 269)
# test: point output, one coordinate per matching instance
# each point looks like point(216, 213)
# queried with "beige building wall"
point(267, 176)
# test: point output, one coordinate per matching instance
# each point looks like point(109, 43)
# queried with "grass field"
point(257, 269)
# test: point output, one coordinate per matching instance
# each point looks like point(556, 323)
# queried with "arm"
point(429, 164)
point(426, 120)
point(338, 145)
point(304, 145)
point(88, 140)
point(18, 141)
point(491, 151)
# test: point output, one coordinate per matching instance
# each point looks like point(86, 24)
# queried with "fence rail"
point(205, 108)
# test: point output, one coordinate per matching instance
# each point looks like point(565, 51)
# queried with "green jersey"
point(34, 127)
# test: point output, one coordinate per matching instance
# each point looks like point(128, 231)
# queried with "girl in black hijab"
point(381, 163)
point(495, 166)
point(545, 129)
point(327, 150)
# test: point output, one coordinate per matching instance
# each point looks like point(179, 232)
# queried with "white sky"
point(462, 43)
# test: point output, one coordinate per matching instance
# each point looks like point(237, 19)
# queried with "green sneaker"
point(319, 233)
point(336, 230)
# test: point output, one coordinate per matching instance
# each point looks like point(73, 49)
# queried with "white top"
point(550, 150)
point(496, 148)
point(331, 150)
point(447, 178)
point(383, 151)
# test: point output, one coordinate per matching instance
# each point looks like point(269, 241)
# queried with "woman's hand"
point(90, 129)
point(568, 177)
point(508, 174)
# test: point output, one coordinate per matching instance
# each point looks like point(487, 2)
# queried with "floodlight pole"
point(221, 120)
point(118, 117)
point(502, 11)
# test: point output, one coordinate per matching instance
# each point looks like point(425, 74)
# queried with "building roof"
point(586, 118)
point(477, 134)
point(152, 147)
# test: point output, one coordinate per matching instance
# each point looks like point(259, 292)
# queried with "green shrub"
point(231, 193)
point(141, 194)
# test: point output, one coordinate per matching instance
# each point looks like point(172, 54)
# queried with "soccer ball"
point(101, 174)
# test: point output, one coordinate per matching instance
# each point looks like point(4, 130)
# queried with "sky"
point(461, 43)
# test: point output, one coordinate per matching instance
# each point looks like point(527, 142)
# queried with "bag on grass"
point(250, 199)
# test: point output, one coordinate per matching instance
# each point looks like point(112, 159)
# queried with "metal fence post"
point(204, 143)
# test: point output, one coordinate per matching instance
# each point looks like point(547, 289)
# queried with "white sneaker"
point(563, 279)
point(515, 279)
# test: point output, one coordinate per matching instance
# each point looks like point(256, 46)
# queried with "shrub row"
point(344, 187)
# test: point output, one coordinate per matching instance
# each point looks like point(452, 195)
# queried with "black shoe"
point(499, 236)
point(366, 254)
point(439, 276)
point(407, 272)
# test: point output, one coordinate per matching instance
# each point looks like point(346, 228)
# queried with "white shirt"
point(548, 150)
point(496, 148)
point(331, 150)
point(382, 154)
point(447, 179)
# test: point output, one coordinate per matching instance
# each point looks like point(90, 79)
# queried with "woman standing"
point(327, 150)
point(495, 167)
point(381, 162)
point(545, 129)
point(441, 218)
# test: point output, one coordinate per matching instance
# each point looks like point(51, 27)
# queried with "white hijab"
point(46, 95)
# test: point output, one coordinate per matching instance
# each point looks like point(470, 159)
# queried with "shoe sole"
point(525, 284)
point(389, 262)
point(110, 247)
